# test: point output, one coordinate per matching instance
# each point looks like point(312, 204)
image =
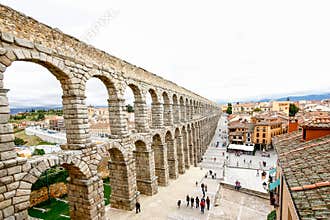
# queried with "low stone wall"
point(246, 191)
point(57, 190)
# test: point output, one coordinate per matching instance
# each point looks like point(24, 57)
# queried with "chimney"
point(293, 125)
point(317, 128)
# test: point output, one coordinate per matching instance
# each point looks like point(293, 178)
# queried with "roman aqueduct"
point(183, 124)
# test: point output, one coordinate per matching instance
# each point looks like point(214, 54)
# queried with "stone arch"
point(160, 155)
point(171, 155)
point(176, 109)
point(146, 179)
point(77, 185)
point(157, 112)
point(140, 109)
point(168, 109)
point(122, 180)
point(72, 98)
point(191, 109)
point(185, 147)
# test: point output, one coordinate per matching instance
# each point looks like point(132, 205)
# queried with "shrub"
point(271, 215)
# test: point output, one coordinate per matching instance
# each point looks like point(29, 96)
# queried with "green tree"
point(41, 116)
point(38, 152)
point(129, 108)
point(229, 109)
point(293, 109)
point(19, 141)
point(257, 110)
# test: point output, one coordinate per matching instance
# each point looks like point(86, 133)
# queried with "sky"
point(222, 50)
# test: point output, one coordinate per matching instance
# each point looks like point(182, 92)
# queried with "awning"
point(240, 147)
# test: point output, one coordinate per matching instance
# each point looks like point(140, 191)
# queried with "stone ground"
point(233, 204)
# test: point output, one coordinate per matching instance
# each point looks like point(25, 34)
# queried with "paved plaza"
point(232, 205)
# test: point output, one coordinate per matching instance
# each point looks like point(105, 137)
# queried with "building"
point(302, 175)
point(56, 123)
point(281, 106)
point(265, 129)
point(243, 107)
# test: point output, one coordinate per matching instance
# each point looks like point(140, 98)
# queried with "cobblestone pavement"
point(163, 205)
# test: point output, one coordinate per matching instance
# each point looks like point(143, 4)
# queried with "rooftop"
point(306, 169)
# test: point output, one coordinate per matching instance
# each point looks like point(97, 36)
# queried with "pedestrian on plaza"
point(179, 203)
point(196, 183)
point(208, 203)
point(237, 185)
point(205, 187)
point(215, 175)
point(192, 200)
point(250, 161)
point(137, 207)
point(244, 161)
point(223, 153)
point(197, 202)
point(202, 186)
point(215, 159)
point(257, 172)
point(210, 171)
point(187, 200)
point(202, 206)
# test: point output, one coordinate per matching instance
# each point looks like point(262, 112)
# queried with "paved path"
point(163, 205)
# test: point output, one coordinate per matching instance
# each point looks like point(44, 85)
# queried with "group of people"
point(197, 202)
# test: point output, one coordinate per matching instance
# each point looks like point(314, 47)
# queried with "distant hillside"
point(298, 98)
point(292, 98)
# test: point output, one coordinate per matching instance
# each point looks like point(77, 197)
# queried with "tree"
point(41, 116)
point(19, 141)
point(257, 110)
point(129, 108)
point(293, 109)
point(229, 109)
point(38, 152)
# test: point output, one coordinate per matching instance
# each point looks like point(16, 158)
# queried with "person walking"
point(187, 200)
point(192, 200)
point(205, 187)
point(202, 206)
point(137, 207)
point(197, 202)
point(208, 203)
point(179, 203)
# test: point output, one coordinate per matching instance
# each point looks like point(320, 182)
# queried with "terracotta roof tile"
point(305, 165)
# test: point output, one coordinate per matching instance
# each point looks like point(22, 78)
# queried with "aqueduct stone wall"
point(183, 124)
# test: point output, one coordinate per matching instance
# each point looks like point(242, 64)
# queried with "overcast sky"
point(223, 50)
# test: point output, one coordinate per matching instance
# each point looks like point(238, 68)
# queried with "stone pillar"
point(117, 118)
point(194, 142)
point(161, 165)
point(183, 113)
point(146, 179)
point(168, 114)
point(172, 159)
point(76, 122)
point(187, 111)
point(11, 167)
point(180, 153)
point(157, 115)
point(191, 148)
point(123, 184)
point(192, 111)
point(176, 113)
point(86, 198)
point(140, 114)
point(186, 151)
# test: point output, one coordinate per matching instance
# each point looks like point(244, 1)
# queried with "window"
point(263, 135)
point(257, 134)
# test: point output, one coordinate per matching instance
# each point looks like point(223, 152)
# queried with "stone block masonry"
point(182, 124)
